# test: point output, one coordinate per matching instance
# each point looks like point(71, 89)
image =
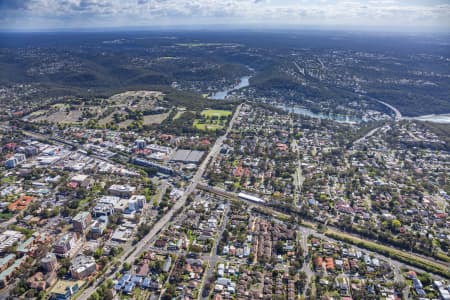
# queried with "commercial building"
point(121, 234)
point(66, 243)
point(158, 148)
point(140, 144)
point(31, 151)
point(188, 156)
point(98, 227)
point(120, 190)
point(148, 164)
point(105, 206)
point(81, 221)
point(15, 160)
point(65, 289)
point(136, 202)
point(80, 180)
point(83, 266)
point(49, 263)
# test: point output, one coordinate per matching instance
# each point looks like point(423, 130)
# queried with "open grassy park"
point(212, 119)
point(211, 113)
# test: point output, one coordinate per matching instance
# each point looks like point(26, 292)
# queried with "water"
point(443, 119)
point(221, 95)
point(307, 112)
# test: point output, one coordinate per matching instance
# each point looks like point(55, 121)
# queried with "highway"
point(398, 114)
point(131, 254)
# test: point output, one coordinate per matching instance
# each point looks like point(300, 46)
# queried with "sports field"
point(216, 113)
point(212, 119)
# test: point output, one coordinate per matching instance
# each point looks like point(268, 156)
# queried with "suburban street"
point(131, 254)
point(308, 231)
point(213, 258)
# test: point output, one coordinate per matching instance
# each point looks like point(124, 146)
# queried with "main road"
point(131, 254)
point(398, 114)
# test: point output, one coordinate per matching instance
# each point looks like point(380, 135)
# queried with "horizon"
point(371, 31)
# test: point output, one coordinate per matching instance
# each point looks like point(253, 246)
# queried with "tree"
point(108, 295)
point(251, 258)
point(62, 271)
point(114, 251)
point(94, 296)
point(98, 253)
point(396, 224)
point(126, 266)
point(279, 247)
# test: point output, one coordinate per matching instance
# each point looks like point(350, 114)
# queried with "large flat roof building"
point(83, 266)
point(188, 156)
point(121, 190)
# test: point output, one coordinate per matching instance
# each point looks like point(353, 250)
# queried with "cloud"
point(73, 13)
point(13, 4)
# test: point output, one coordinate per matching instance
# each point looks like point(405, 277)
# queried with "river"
point(221, 95)
point(244, 81)
point(440, 118)
point(443, 119)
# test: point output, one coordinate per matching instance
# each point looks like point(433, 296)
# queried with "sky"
point(385, 15)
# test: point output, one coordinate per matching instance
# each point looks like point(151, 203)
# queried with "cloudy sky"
point(397, 15)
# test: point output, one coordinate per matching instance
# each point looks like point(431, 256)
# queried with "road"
point(213, 258)
point(298, 180)
point(394, 263)
point(308, 231)
point(11, 221)
point(46, 138)
point(298, 176)
point(305, 268)
point(302, 71)
point(398, 114)
point(131, 254)
point(369, 134)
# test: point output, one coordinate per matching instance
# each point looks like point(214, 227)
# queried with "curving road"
point(398, 114)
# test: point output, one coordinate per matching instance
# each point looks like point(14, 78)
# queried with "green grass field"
point(206, 127)
point(213, 119)
point(216, 113)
